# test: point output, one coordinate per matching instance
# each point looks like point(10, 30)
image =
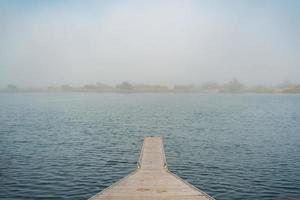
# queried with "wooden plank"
point(151, 180)
point(152, 154)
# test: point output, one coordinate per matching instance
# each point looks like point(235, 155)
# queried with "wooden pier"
point(151, 180)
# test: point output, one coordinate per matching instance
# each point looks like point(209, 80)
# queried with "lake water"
point(73, 145)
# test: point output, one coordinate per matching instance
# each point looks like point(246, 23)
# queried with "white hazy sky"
point(165, 42)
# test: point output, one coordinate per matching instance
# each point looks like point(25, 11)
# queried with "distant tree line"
point(232, 86)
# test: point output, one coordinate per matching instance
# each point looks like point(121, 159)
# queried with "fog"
point(159, 42)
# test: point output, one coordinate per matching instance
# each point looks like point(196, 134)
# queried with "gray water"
point(71, 146)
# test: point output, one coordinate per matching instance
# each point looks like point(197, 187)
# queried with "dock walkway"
point(151, 180)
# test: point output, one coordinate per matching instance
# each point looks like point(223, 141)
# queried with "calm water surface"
point(71, 146)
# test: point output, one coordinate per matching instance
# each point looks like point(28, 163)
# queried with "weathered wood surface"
point(151, 180)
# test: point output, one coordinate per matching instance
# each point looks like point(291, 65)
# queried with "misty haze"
point(152, 100)
point(45, 43)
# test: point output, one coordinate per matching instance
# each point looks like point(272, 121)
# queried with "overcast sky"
point(164, 42)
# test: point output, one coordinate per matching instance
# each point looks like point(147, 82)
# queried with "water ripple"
point(71, 146)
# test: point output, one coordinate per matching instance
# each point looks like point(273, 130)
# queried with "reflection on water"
point(71, 146)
